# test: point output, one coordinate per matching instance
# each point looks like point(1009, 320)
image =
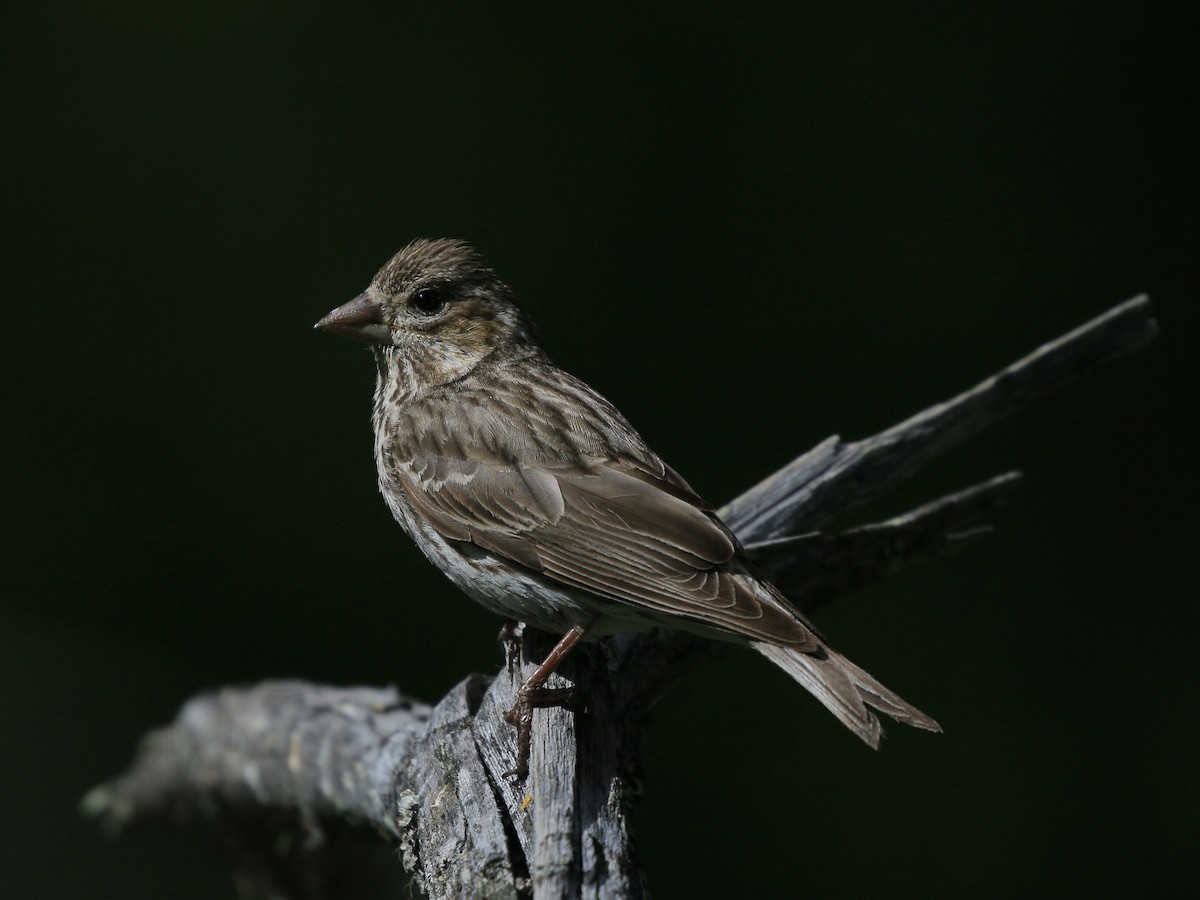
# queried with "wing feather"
point(607, 528)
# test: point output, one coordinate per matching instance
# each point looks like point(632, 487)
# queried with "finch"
point(536, 497)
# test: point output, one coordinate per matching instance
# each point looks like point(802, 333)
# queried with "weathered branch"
point(433, 779)
point(814, 568)
point(834, 476)
point(241, 749)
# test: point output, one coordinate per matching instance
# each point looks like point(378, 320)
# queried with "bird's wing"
point(627, 528)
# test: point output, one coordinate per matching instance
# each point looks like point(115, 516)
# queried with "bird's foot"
point(533, 695)
point(511, 638)
point(521, 717)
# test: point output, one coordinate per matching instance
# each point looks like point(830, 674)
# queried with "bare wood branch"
point(835, 476)
point(434, 779)
point(271, 746)
point(814, 568)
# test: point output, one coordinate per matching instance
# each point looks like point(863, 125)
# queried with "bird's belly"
point(510, 590)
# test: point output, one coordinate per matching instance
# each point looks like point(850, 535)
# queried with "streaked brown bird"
point(535, 496)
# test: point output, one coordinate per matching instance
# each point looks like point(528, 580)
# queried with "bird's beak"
point(360, 320)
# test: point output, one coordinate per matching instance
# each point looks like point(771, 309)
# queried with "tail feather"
point(846, 690)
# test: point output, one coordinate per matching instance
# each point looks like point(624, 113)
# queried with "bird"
point(539, 500)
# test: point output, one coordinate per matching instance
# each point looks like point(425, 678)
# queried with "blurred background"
point(750, 226)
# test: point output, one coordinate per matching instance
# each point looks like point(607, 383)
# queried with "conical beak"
point(360, 320)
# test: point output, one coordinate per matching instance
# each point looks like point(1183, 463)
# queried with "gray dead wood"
point(431, 780)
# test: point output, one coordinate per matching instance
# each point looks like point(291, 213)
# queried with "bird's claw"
point(521, 717)
point(511, 638)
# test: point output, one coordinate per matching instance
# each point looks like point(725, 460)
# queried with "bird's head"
point(435, 310)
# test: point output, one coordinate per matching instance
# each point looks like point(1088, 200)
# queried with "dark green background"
point(750, 226)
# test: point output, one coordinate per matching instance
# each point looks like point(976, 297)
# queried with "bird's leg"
point(532, 695)
point(510, 637)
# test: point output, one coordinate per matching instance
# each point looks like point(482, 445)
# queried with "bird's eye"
point(427, 300)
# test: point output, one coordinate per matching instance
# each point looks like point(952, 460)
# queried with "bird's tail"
point(846, 690)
